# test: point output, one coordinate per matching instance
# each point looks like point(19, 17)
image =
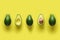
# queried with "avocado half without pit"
point(18, 20)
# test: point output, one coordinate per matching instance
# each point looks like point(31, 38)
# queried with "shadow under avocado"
point(30, 28)
point(7, 28)
point(52, 29)
point(41, 27)
point(18, 28)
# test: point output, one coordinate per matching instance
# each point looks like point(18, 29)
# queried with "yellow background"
point(24, 8)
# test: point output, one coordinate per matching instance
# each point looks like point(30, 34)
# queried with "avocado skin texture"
point(29, 20)
point(7, 20)
point(52, 20)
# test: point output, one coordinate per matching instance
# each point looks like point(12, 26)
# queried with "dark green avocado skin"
point(7, 20)
point(52, 20)
point(29, 20)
